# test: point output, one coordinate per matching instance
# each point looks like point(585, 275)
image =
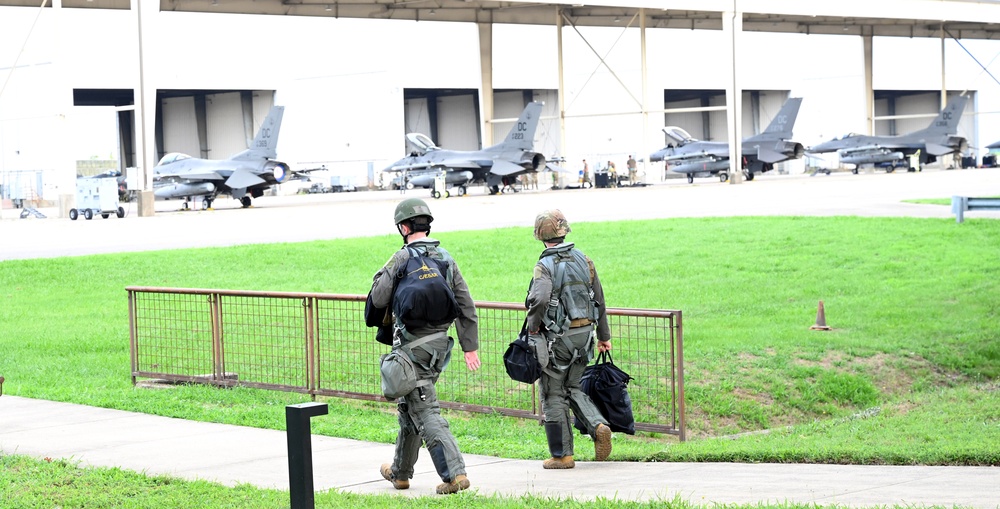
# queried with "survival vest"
point(572, 288)
point(423, 295)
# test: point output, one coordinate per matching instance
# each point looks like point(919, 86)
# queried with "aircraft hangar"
point(630, 92)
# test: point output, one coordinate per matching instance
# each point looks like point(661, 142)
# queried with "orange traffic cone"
point(820, 319)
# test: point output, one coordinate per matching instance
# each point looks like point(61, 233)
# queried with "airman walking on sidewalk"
point(420, 417)
point(565, 303)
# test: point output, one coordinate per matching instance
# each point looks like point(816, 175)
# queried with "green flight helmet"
point(411, 208)
point(551, 224)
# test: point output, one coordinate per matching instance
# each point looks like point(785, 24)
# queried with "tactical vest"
point(572, 288)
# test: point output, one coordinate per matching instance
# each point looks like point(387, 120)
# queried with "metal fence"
point(318, 344)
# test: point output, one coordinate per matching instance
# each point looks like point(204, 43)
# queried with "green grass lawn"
point(908, 375)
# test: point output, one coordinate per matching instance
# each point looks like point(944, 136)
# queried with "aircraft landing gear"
point(854, 171)
point(690, 178)
point(748, 175)
point(723, 176)
point(494, 189)
point(462, 191)
point(245, 201)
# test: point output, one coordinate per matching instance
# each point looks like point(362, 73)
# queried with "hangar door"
point(225, 127)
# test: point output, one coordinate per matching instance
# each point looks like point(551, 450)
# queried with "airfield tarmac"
point(298, 218)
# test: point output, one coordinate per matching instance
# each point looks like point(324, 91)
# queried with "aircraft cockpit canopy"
point(677, 135)
point(421, 142)
point(172, 157)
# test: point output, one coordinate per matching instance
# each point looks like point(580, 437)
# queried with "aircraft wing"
point(770, 156)
point(938, 149)
point(696, 157)
point(463, 164)
point(504, 167)
point(423, 165)
point(241, 179)
point(209, 175)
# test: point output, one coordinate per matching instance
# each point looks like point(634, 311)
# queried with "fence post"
point(300, 470)
point(959, 204)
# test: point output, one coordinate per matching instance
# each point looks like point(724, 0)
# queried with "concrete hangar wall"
point(344, 81)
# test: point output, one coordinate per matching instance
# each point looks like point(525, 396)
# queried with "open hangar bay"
point(349, 82)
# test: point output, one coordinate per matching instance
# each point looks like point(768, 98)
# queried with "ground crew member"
point(565, 303)
point(419, 412)
point(632, 173)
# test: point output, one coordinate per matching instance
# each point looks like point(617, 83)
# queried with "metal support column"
point(869, 92)
point(562, 86)
point(645, 96)
point(732, 24)
point(486, 78)
point(300, 470)
point(944, 87)
point(145, 121)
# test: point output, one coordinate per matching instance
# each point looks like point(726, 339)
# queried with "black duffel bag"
point(520, 361)
point(607, 386)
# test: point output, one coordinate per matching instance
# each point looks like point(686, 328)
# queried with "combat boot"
point(602, 442)
point(459, 483)
point(399, 484)
point(558, 463)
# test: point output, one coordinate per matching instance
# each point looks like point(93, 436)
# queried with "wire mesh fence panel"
point(319, 344)
point(347, 353)
point(643, 347)
point(176, 332)
point(264, 340)
point(489, 387)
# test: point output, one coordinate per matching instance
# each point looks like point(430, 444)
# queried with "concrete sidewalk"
point(234, 454)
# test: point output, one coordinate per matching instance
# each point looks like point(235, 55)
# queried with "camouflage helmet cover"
point(551, 224)
point(411, 208)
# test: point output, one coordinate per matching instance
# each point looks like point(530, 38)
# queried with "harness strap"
point(410, 345)
point(569, 346)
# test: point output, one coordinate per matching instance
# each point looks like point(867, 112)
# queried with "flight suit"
point(570, 354)
point(420, 417)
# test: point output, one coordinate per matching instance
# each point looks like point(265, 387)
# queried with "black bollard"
point(300, 468)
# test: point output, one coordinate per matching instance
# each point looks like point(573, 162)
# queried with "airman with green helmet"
point(419, 412)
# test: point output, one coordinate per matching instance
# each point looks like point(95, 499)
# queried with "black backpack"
point(423, 294)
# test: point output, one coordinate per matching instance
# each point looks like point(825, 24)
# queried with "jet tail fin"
point(781, 125)
point(522, 135)
point(947, 121)
point(265, 144)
